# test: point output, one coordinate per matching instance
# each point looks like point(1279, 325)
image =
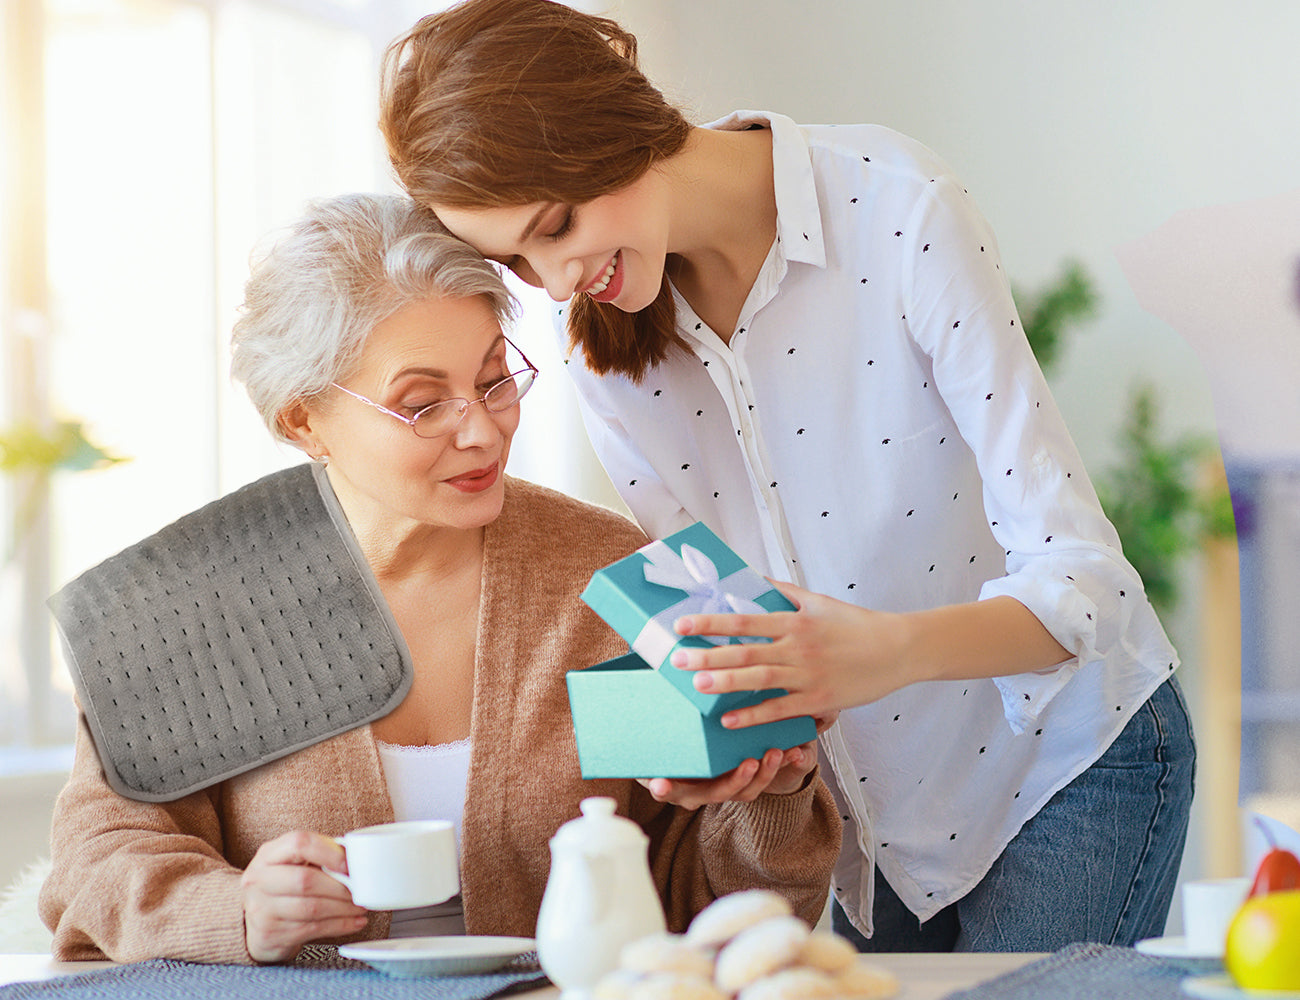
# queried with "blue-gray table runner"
point(1084, 972)
point(319, 974)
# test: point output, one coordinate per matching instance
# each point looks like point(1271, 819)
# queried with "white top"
point(879, 431)
point(428, 783)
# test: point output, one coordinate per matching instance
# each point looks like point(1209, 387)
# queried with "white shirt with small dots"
point(878, 430)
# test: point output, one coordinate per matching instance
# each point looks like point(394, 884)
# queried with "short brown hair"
point(510, 102)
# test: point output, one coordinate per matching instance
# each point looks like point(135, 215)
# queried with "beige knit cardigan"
point(134, 880)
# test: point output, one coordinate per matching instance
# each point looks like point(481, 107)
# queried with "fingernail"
point(729, 721)
point(682, 626)
point(703, 682)
point(679, 659)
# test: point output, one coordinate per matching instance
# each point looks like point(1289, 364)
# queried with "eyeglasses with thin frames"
point(444, 416)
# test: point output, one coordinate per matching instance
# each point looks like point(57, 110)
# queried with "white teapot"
point(599, 897)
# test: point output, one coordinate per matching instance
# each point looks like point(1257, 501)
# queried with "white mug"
point(1209, 905)
point(399, 866)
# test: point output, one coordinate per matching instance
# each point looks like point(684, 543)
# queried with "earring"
point(323, 458)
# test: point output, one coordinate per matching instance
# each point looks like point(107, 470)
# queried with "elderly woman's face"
point(428, 351)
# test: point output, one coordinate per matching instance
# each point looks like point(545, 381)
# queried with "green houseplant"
point(29, 456)
point(1154, 493)
point(31, 452)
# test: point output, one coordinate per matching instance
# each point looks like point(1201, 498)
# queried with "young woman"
point(803, 337)
point(373, 341)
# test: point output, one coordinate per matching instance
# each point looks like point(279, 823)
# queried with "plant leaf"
point(24, 447)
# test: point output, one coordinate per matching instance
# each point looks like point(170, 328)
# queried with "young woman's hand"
point(289, 901)
point(828, 655)
point(780, 772)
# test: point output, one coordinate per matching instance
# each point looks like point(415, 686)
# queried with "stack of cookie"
point(747, 946)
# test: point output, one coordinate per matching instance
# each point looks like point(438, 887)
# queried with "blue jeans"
point(1097, 863)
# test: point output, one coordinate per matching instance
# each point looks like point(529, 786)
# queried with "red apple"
point(1278, 870)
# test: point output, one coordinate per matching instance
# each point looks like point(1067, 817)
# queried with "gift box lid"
point(690, 571)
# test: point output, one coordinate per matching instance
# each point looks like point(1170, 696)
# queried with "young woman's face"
point(429, 350)
point(612, 248)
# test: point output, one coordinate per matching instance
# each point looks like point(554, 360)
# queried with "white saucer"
point(1174, 947)
point(438, 956)
point(1223, 988)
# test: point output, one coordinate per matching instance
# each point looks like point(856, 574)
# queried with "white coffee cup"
point(1209, 905)
point(399, 866)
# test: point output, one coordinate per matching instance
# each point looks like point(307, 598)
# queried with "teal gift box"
point(638, 716)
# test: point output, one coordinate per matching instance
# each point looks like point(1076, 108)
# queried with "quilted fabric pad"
point(240, 633)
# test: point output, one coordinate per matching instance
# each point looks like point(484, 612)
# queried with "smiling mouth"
point(602, 282)
point(476, 480)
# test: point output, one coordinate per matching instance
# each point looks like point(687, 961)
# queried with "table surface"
point(924, 976)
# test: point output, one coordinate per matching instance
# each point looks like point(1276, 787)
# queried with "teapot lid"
point(599, 829)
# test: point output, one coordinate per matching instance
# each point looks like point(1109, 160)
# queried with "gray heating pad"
point(238, 634)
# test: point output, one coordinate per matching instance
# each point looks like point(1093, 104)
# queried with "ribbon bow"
point(706, 593)
point(695, 573)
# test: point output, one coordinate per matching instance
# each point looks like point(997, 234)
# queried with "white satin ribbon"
point(706, 593)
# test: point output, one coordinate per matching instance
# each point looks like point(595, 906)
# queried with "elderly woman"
point(372, 341)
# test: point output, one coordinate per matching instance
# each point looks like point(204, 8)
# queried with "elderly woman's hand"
point(780, 772)
point(289, 901)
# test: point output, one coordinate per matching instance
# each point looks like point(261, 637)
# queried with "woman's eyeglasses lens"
point(442, 418)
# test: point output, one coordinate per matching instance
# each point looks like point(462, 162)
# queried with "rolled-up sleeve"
point(1063, 557)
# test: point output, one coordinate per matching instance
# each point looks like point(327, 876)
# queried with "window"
point(1267, 499)
point(149, 145)
point(167, 136)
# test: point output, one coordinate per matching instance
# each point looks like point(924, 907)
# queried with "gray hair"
point(316, 294)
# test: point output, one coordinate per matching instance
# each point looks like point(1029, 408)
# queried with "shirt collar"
point(798, 217)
